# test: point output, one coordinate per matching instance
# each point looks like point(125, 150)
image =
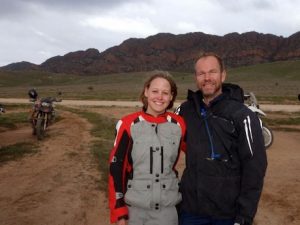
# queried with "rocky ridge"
point(167, 51)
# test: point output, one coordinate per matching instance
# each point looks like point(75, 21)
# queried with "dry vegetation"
point(277, 82)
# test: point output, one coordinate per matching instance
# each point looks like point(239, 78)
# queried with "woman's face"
point(158, 96)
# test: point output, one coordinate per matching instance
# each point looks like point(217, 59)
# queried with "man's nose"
point(207, 76)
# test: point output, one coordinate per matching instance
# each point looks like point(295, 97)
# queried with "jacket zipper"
point(162, 159)
point(151, 160)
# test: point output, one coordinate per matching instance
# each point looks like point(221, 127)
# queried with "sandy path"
point(280, 202)
point(285, 108)
point(58, 185)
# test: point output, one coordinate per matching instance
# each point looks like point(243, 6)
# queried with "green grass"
point(101, 150)
point(277, 82)
point(276, 70)
point(10, 120)
point(15, 106)
point(284, 122)
point(16, 151)
point(287, 129)
point(19, 113)
point(104, 130)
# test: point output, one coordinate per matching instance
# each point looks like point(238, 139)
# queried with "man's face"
point(209, 77)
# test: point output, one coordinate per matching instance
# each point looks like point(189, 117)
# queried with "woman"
point(143, 183)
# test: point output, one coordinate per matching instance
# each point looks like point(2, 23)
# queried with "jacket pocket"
point(219, 194)
point(170, 194)
point(139, 193)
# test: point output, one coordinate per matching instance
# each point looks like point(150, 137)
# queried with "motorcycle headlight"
point(45, 104)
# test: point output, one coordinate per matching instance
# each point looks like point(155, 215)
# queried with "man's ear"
point(224, 74)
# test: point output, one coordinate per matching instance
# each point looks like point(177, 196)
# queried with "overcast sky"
point(35, 30)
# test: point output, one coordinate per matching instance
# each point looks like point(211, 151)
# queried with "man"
point(225, 155)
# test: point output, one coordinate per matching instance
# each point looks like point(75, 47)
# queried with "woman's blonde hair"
point(159, 74)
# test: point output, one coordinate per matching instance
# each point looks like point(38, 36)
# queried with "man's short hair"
point(206, 54)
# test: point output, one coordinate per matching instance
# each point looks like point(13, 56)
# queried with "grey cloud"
point(260, 4)
point(11, 8)
point(15, 10)
point(246, 5)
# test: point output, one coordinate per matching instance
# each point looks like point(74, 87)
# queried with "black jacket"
point(225, 157)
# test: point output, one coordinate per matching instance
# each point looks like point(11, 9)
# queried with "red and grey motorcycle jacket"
point(142, 163)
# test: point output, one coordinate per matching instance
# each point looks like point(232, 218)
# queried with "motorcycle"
point(2, 109)
point(252, 104)
point(43, 115)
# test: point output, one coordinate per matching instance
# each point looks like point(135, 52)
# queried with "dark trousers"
point(191, 219)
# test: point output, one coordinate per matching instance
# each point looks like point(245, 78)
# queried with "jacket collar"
point(229, 91)
point(152, 119)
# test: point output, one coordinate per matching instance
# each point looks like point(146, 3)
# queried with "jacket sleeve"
point(118, 168)
point(179, 112)
point(183, 136)
point(253, 160)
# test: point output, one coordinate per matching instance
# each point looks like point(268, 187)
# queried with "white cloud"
point(186, 26)
point(139, 26)
point(45, 36)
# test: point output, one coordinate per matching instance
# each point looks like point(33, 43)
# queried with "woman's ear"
point(146, 92)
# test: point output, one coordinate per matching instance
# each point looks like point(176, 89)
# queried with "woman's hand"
point(121, 222)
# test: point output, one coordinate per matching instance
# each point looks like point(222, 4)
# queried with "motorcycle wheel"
point(268, 136)
point(40, 128)
point(33, 125)
point(33, 131)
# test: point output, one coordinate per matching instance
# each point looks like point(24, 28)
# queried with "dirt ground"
point(59, 185)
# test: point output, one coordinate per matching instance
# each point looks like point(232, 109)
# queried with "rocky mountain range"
point(171, 52)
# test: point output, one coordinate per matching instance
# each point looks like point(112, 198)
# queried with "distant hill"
point(23, 66)
point(173, 52)
point(273, 82)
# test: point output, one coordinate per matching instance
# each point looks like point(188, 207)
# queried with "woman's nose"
point(160, 95)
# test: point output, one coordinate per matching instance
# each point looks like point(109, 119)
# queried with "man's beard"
point(217, 91)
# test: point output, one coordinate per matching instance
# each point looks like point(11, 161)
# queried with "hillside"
point(275, 82)
point(173, 52)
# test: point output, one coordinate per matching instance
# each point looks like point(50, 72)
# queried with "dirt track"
point(59, 184)
point(286, 108)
